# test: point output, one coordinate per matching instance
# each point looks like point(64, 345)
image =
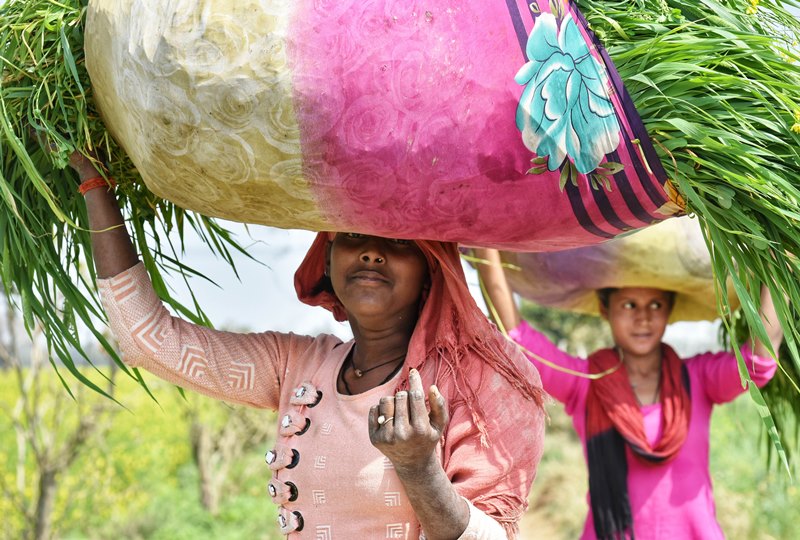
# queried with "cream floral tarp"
point(671, 255)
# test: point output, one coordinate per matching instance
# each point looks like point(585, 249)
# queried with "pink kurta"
point(674, 501)
point(326, 476)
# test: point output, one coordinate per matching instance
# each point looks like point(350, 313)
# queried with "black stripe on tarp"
point(655, 192)
point(628, 195)
point(605, 207)
point(519, 26)
point(579, 210)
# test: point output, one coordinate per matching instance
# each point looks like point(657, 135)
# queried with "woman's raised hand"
point(402, 428)
point(112, 248)
point(84, 166)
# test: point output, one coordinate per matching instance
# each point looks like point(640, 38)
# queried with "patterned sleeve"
point(562, 385)
point(235, 367)
point(495, 478)
point(718, 373)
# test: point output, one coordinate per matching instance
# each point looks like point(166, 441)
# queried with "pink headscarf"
point(450, 329)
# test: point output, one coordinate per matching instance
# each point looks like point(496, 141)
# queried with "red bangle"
point(96, 182)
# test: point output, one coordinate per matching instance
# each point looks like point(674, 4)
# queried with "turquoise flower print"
point(565, 109)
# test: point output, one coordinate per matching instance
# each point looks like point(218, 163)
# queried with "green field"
point(135, 476)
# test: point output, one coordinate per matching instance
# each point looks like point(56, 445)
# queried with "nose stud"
point(378, 260)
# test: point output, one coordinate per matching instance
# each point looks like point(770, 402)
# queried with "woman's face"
point(377, 277)
point(638, 318)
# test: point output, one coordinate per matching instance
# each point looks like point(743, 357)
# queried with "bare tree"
point(51, 425)
point(219, 441)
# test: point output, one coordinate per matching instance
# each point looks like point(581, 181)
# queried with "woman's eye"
point(353, 235)
point(401, 241)
point(655, 306)
point(628, 305)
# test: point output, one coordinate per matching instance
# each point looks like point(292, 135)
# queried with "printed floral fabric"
point(565, 110)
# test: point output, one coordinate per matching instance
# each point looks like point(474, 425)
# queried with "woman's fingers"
point(439, 416)
point(418, 413)
point(386, 411)
point(401, 416)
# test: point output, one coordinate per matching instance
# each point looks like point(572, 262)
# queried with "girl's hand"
point(402, 428)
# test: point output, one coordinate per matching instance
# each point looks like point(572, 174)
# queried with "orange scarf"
point(614, 420)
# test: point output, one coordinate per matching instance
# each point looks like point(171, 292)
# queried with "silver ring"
point(384, 419)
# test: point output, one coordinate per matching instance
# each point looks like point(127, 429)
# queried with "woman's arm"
point(503, 308)
point(240, 368)
point(401, 427)
point(476, 486)
point(112, 248)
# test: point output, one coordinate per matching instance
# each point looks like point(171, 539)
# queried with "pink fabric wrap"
point(407, 113)
point(397, 118)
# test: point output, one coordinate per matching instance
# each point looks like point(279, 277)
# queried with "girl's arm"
point(718, 373)
point(563, 384)
point(769, 318)
point(503, 309)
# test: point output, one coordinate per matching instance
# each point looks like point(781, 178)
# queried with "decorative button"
point(282, 492)
point(294, 423)
point(282, 457)
point(290, 522)
point(306, 394)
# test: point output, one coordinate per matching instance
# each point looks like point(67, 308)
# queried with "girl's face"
point(378, 278)
point(638, 318)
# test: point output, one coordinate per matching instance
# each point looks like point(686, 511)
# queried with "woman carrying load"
point(362, 450)
point(644, 423)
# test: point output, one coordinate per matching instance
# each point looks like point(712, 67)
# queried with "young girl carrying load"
point(644, 423)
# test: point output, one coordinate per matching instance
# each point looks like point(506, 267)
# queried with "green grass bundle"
point(46, 113)
point(717, 84)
